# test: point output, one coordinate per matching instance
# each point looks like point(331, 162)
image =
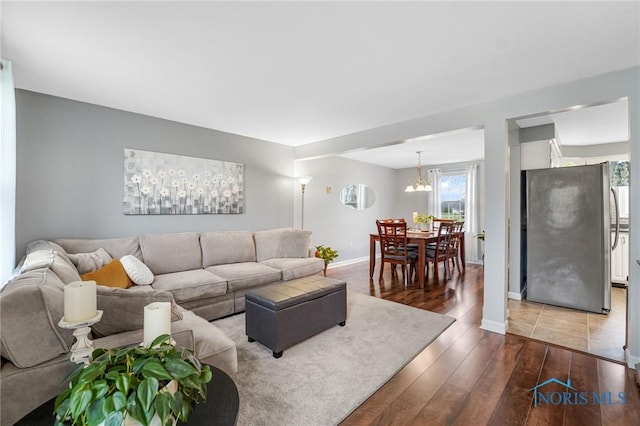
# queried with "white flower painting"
point(157, 183)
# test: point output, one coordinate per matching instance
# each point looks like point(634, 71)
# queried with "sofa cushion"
point(31, 305)
point(227, 247)
point(292, 268)
point(110, 275)
point(123, 309)
point(89, 262)
point(243, 275)
point(190, 285)
point(283, 242)
point(116, 247)
point(176, 252)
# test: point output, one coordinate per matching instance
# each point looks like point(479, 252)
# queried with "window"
point(453, 196)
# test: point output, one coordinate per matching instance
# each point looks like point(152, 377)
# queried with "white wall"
point(344, 229)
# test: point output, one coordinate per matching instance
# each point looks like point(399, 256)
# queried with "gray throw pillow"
point(294, 243)
point(64, 269)
point(90, 262)
point(123, 309)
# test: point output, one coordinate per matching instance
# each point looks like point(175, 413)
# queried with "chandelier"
point(419, 184)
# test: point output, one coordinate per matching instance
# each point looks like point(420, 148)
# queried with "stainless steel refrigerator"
point(568, 237)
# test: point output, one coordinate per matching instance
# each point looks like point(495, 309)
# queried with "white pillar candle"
point(80, 301)
point(415, 217)
point(157, 321)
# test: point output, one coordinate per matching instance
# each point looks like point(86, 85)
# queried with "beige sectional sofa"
point(205, 275)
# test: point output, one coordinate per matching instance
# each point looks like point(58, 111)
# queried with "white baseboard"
point(632, 361)
point(348, 262)
point(494, 326)
point(514, 295)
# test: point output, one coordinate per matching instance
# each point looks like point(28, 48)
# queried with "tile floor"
point(602, 335)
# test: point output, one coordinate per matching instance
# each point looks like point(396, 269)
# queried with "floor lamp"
point(304, 180)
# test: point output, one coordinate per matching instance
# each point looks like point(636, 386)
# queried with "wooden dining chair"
point(394, 247)
point(440, 252)
point(454, 245)
point(437, 221)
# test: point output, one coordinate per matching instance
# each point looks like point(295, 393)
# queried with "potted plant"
point(327, 254)
point(152, 385)
point(424, 220)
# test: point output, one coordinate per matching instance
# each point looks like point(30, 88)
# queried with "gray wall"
point(346, 230)
point(70, 171)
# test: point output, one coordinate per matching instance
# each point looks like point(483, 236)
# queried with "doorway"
point(575, 137)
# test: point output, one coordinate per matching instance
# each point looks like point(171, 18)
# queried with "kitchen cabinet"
point(539, 155)
point(620, 259)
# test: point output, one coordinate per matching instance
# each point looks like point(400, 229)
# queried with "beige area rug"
point(323, 379)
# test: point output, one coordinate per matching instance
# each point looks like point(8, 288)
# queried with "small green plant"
point(131, 381)
point(424, 218)
point(327, 254)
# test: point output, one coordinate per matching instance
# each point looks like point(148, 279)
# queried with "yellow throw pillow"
point(110, 275)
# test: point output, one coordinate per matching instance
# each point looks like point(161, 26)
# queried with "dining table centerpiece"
point(424, 220)
point(327, 254)
point(139, 385)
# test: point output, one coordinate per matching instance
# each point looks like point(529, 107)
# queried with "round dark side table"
point(220, 408)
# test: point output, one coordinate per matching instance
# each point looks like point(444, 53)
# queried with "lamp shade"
point(303, 180)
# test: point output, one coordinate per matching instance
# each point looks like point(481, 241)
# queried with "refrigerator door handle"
point(615, 201)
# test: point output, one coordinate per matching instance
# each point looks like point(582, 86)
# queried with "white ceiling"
point(301, 72)
point(594, 125)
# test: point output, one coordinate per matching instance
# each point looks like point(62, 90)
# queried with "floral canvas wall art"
point(157, 183)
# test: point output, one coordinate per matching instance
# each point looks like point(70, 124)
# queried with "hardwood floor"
point(469, 376)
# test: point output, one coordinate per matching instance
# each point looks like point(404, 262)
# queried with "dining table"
point(421, 238)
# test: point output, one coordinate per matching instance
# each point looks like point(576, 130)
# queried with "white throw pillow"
point(37, 259)
point(138, 272)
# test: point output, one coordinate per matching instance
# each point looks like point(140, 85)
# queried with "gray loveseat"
point(205, 276)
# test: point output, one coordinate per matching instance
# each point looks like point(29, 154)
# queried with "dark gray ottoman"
point(283, 314)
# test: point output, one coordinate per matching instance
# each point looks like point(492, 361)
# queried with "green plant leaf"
point(115, 418)
point(79, 401)
point(179, 369)
point(192, 382)
point(119, 400)
point(122, 383)
point(185, 410)
point(139, 363)
point(100, 389)
point(95, 412)
point(147, 390)
point(206, 374)
point(62, 408)
point(156, 370)
point(61, 398)
point(176, 403)
point(160, 339)
point(74, 373)
point(163, 405)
